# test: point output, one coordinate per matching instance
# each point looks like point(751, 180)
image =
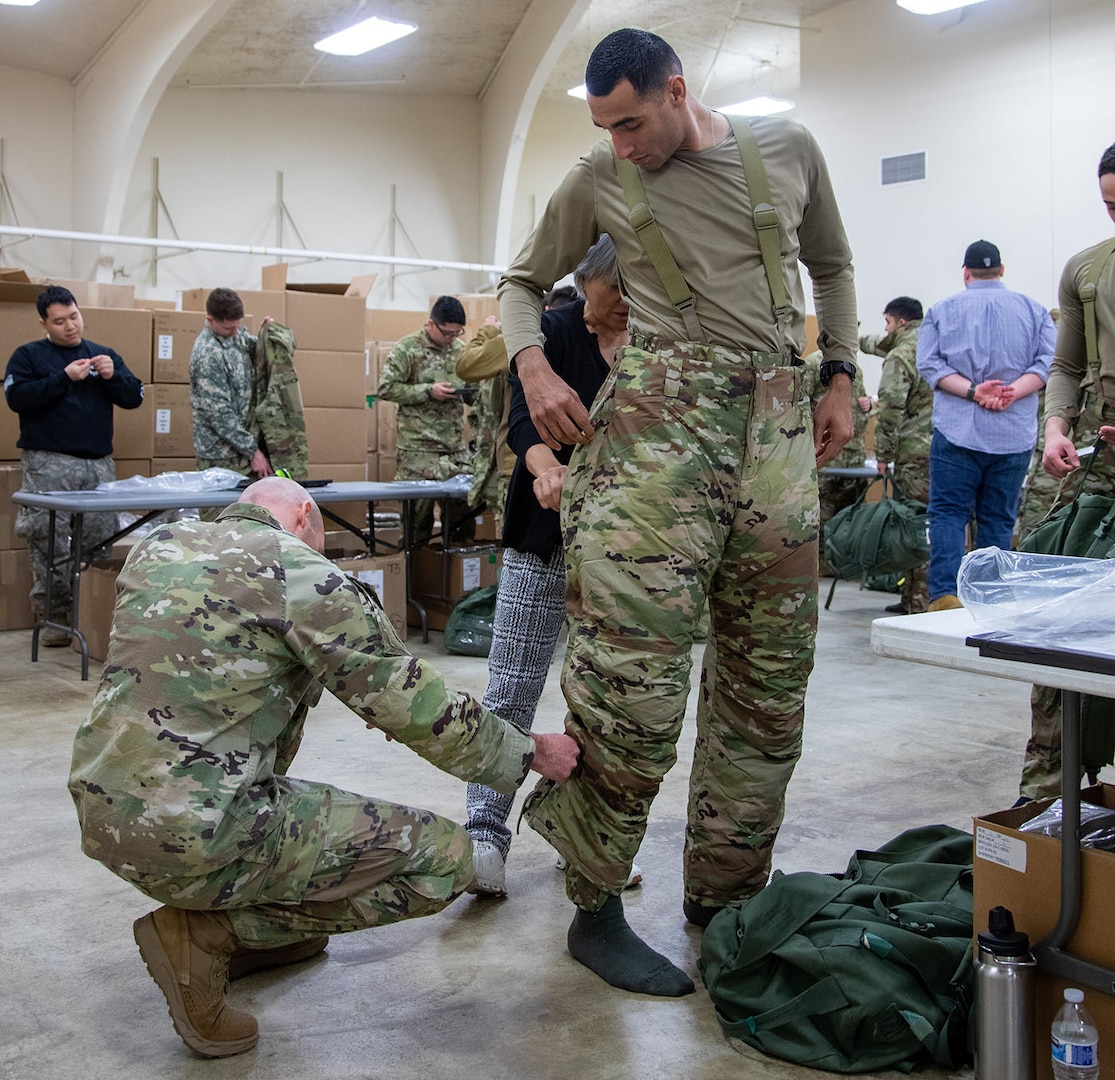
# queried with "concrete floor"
point(486, 989)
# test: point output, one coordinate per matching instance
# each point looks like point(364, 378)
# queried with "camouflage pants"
point(1041, 768)
point(460, 523)
point(911, 481)
point(700, 480)
point(379, 863)
point(43, 470)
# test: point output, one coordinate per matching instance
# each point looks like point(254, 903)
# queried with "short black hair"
point(224, 305)
point(54, 294)
point(1107, 162)
point(448, 309)
point(640, 57)
point(904, 307)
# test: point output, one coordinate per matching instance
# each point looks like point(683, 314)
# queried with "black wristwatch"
point(835, 367)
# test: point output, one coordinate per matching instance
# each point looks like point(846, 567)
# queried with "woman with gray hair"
point(581, 339)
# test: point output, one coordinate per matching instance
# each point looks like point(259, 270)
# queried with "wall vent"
point(904, 168)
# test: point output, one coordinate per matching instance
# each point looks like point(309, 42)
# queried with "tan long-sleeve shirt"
point(701, 202)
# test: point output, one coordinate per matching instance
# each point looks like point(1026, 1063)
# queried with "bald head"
point(291, 506)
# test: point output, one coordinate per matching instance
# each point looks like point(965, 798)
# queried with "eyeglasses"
point(451, 334)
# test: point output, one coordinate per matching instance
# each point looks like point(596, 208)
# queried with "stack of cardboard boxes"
point(340, 349)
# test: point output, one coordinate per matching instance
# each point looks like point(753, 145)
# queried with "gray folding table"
point(153, 501)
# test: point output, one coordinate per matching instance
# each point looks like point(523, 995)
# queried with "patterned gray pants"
point(44, 470)
point(530, 611)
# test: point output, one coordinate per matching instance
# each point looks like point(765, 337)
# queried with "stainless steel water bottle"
point(1004, 1001)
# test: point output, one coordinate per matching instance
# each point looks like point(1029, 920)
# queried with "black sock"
point(604, 943)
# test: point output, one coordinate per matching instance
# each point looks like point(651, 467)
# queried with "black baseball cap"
point(982, 255)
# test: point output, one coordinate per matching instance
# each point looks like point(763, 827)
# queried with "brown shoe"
point(248, 961)
point(945, 603)
point(187, 954)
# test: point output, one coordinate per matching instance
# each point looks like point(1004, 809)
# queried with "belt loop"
point(671, 385)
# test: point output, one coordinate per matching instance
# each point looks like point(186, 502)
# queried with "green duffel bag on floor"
point(468, 630)
point(867, 970)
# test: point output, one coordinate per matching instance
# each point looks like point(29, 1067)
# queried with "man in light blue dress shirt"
point(986, 352)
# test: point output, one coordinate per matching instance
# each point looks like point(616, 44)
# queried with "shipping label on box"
point(174, 334)
point(174, 420)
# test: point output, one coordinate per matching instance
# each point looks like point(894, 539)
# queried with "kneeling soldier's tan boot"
point(187, 954)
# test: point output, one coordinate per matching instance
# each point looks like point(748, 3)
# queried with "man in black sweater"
point(64, 389)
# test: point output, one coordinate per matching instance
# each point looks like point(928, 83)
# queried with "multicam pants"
point(699, 480)
point(44, 470)
point(379, 863)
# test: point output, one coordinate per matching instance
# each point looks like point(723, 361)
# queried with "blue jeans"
point(966, 484)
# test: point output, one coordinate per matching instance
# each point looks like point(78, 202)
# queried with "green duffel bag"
point(858, 972)
point(468, 630)
point(871, 539)
point(1083, 528)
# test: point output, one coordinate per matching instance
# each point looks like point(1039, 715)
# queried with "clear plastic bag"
point(203, 480)
point(1097, 824)
point(1053, 595)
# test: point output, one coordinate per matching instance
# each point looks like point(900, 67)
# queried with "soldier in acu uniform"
point(224, 635)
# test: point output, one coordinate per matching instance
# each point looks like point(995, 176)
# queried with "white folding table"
point(953, 639)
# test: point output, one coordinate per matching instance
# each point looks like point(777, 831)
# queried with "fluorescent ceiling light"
point(19, 3)
point(757, 106)
point(578, 92)
point(364, 36)
point(934, 7)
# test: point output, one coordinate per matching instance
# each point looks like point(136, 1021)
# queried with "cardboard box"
point(15, 590)
point(17, 288)
point(99, 294)
point(1022, 871)
point(172, 342)
point(96, 600)
point(129, 467)
point(487, 526)
point(162, 465)
point(133, 433)
point(478, 306)
point(11, 480)
point(454, 573)
point(388, 467)
point(323, 316)
point(257, 302)
point(390, 324)
point(331, 379)
point(337, 435)
point(387, 575)
point(127, 332)
point(173, 420)
point(437, 612)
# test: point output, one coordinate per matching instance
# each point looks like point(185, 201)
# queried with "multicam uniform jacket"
point(221, 631)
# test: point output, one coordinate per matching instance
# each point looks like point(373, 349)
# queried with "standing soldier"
point(221, 371)
point(421, 376)
point(64, 388)
point(1083, 373)
point(904, 423)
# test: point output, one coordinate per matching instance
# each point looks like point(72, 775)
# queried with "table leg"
point(407, 521)
point(1049, 952)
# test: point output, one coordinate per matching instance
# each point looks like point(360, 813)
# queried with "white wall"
point(1012, 102)
point(560, 133)
point(220, 154)
point(36, 124)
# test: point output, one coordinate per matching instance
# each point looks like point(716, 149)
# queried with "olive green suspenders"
point(766, 228)
point(1088, 301)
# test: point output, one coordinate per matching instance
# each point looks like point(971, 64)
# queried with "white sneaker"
point(489, 870)
point(633, 879)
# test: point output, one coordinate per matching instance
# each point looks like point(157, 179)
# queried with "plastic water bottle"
point(1075, 1040)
